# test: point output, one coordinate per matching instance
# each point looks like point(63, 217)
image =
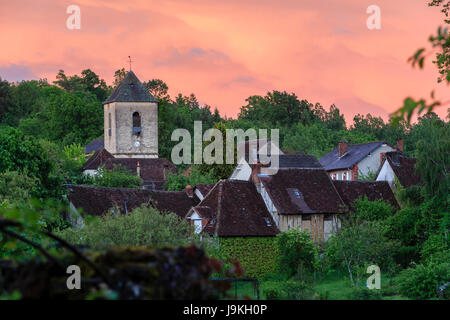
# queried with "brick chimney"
point(138, 169)
point(342, 148)
point(256, 169)
point(189, 190)
point(400, 144)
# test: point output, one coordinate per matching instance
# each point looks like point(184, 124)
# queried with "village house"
point(233, 216)
point(370, 190)
point(96, 201)
point(348, 162)
point(398, 170)
point(233, 208)
point(252, 149)
point(300, 160)
point(304, 199)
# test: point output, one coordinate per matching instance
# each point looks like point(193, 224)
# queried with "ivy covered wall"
point(257, 255)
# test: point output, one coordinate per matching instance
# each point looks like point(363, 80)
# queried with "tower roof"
point(130, 89)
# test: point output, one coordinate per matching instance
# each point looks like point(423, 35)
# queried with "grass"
point(334, 287)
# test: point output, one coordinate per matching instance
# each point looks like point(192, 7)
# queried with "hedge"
point(256, 255)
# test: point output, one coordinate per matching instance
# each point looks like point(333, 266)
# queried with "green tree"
point(25, 154)
point(72, 116)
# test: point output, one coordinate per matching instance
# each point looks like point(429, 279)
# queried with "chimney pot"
point(189, 190)
point(342, 148)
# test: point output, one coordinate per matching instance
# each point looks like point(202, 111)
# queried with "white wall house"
point(350, 162)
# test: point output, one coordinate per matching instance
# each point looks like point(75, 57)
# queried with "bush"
point(422, 282)
point(256, 255)
point(436, 249)
point(372, 210)
point(297, 253)
point(143, 226)
point(287, 290)
point(116, 178)
point(365, 294)
point(406, 255)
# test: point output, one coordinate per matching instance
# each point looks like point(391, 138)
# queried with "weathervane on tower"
point(129, 61)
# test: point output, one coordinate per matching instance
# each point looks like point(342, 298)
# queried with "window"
point(268, 222)
point(136, 123)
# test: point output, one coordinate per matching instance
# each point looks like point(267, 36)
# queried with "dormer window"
point(298, 193)
point(268, 223)
point(136, 123)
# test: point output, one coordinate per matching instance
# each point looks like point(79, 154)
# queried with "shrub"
point(297, 253)
point(422, 282)
point(436, 249)
point(143, 226)
point(256, 255)
point(365, 294)
point(116, 178)
point(372, 210)
point(287, 290)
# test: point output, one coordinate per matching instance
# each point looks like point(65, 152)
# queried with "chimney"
point(400, 144)
point(189, 190)
point(256, 170)
point(138, 169)
point(342, 148)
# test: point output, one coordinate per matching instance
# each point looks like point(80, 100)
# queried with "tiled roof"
point(204, 188)
point(94, 145)
point(173, 201)
point(403, 168)
point(355, 153)
point(154, 171)
point(97, 159)
point(130, 89)
point(98, 200)
point(373, 190)
point(235, 209)
point(302, 191)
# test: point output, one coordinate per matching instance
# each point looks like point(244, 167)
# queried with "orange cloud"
point(226, 51)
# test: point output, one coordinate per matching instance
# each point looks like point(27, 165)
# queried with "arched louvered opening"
point(136, 123)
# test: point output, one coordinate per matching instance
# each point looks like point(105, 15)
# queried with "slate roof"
point(130, 89)
point(98, 200)
point(94, 145)
point(302, 191)
point(97, 159)
point(235, 209)
point(373, 190)
point(403, 168)
point(355, 153)
point(298, 161)
point(152, 169)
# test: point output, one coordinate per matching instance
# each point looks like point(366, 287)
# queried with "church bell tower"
point(131, 120)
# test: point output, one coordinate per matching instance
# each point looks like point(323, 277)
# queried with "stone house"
point(304, 199)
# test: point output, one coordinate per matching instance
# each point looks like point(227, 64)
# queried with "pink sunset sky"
point(225, 51)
